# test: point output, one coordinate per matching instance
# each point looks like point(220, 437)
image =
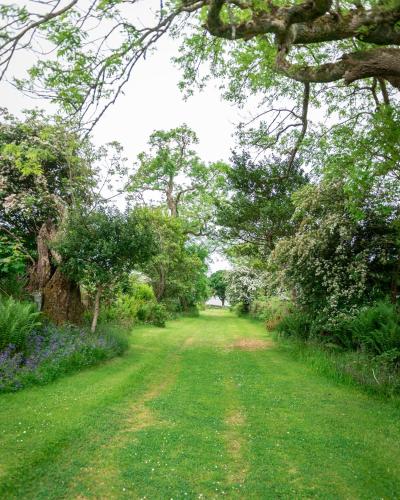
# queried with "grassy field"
point(207, 407)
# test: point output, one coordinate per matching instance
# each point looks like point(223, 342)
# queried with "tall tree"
point(172, 171)
point(218, 282)
point(257, 208)
point(46, 169)
point(178, 270)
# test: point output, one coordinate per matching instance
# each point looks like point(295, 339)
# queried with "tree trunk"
point(62, 300)
point(159, 288)
point(60, 297)
point(40, 273)
point(394, 284)
point(172, 205)
point(96, 309)
point(171, 201)
point(223, 301)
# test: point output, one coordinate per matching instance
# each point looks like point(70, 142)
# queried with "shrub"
point(192, 312)
point(14, 285)
point(373, 331)
point(153, 313)
point(272, 310)
point(130, 306)
point(17, 321)
point(240, 309)
point(377, 329)
point(296, 324)
point(158, 315)
point(143, 292)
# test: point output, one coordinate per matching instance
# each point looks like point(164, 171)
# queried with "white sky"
point(152, 101)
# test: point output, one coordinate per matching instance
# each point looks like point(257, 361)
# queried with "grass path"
point(207, 407)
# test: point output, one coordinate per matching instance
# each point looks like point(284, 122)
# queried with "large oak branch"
point(380, 62)
point(310, 22)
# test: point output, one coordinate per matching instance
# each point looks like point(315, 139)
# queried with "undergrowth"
point(351, 367)
point(50, 352)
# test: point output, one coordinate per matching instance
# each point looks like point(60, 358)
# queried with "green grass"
point(187, 414)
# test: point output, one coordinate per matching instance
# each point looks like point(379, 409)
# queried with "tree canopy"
point(171, 172)
point(310, 50)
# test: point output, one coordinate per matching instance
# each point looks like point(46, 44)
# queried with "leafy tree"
point(178, 270)
point(47, 169)
point(100, 246)
point(218, 283)
point(367, 34)
point(173, 171)
point(258, 208)
point(44, 167)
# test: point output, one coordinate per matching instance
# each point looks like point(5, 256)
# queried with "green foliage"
point(45, 166)
point(172, 169)
point(373, 329)
point(142, 291)
point(377, 329)
point(100, 246)
point(365, 159)
point(335, 262)
point(153, 313)
point(297, 324)
point(257, 208)
point(12, 256)
point(375, 374)
point(13, 259)
point(271, 310)
point(17, 322)
point(177, 271)
point(218, 283)
point(136, 303)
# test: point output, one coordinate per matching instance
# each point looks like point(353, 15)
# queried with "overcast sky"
point(153, 101)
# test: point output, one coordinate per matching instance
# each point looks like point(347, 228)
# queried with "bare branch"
point(306, 100)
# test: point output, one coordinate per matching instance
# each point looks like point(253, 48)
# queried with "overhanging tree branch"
point(380, 63)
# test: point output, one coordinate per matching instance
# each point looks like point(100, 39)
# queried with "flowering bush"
point(335, 262)
point(243, 285)
point(51, 352)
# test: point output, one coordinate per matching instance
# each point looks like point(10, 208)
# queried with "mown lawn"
point(207, 407)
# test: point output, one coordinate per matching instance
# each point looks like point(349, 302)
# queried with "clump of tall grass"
point(362, 345)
